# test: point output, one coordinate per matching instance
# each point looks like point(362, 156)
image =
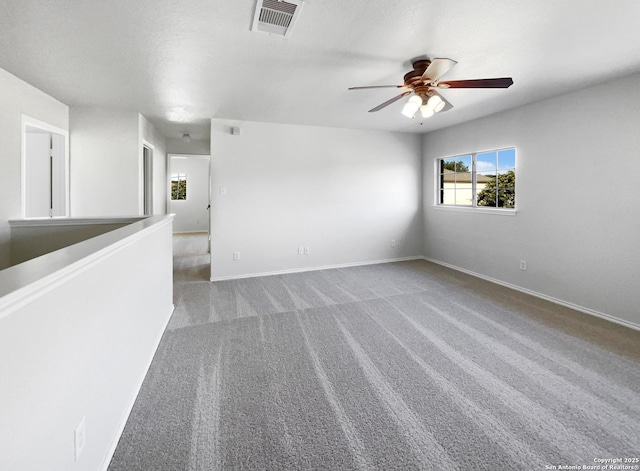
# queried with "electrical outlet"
point(236, 256)
point(80, 438)
point(306, 250)
point(393, 243)
point(300, 250)
point(523, 265)
point(223, 191)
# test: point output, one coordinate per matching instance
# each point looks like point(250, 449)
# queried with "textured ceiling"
point(182, 62)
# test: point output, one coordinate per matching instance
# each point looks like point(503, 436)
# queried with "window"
point(478, 180)
point(178, 186)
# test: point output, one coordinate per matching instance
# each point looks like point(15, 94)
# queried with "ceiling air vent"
point(276, 16)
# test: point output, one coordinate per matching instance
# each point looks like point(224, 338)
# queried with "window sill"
point(469, 209)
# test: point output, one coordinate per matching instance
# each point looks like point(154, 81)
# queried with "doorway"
point(45, 170)
point(189, 192)
point(147, 180)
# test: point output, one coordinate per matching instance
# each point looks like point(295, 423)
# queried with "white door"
point(58, 176)
point(45, 171)
point(147, 180)
point(209, 209)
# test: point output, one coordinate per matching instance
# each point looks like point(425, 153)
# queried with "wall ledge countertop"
point(22, 282)
point(71, 221)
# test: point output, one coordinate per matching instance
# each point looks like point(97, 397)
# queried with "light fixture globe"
point(426, 111)
point(436, 103)
point(411, 107)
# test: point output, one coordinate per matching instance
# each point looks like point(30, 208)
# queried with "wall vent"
point(276, 16)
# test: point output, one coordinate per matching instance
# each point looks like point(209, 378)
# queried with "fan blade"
point(388, 102)
point(437, 69)
point(378, 86)
point(504, 82)
point(447, 105)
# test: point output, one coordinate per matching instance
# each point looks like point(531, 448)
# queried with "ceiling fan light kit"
point(427, 106)
point(421, 83)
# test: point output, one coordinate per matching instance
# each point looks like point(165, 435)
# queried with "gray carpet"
point(395, 366)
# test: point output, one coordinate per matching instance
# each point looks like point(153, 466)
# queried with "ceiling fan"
point(422, 83)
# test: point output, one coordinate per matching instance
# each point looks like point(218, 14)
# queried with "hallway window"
point(178, 186)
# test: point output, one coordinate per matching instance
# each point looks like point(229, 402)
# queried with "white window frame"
point(473, 208)
point(181, 177)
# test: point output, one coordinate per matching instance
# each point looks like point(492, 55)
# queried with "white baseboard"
point(323, 267)
point(561, 302)
point(132, 401)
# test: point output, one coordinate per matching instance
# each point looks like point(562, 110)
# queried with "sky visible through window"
point(502, 160)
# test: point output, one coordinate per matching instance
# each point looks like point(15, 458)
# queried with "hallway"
point(190, 257)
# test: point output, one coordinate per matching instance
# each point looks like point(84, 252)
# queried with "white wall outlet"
point(80, 438)
point(523, 265)
point(236, 256)
point(306, 250)
point(223, 191)
point(393, 243)
point(300, 250)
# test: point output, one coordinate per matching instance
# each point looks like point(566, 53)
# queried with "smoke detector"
point(276, 16)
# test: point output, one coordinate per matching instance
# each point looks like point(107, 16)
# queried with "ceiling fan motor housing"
point(415, 81)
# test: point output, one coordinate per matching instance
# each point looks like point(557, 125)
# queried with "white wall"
point(105, 162)
point(577, 222)
point(151, 135)
point(344, 194)
point(16, 98)
point(78, 330)
point(191, 215)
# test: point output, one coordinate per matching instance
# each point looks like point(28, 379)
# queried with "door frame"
point(26, 122)
point(144, 181)
point(168, 186)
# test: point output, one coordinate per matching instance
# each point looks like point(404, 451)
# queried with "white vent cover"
point(276, 16)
